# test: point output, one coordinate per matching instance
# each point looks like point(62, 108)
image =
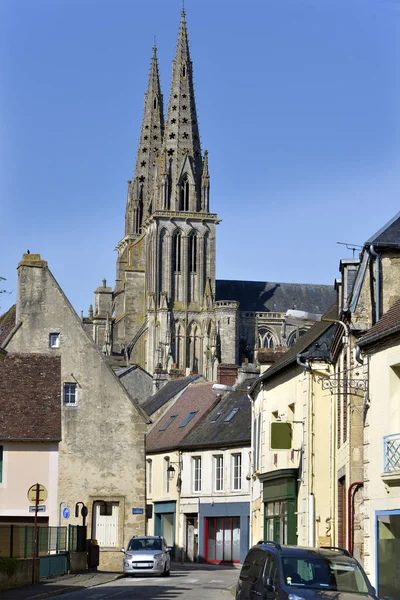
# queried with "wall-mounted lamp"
point(171, 469)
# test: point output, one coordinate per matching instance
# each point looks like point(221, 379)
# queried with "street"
point(204, 581)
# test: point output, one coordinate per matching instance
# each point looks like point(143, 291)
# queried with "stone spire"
point(181, 138)
point(151, 136)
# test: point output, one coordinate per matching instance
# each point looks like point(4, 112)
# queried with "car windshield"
point(333, 574)
point(144, 544)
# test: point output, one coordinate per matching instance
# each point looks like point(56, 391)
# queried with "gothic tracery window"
point(266, 339)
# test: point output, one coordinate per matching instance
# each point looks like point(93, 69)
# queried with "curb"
point(72, 588)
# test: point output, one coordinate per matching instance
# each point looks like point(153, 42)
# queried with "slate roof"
point(387, 325)
point(261, 296)
point(7, 323)
point(389, 234)
point(301, 346)
point(213, 431)
point(200, 398)
point(30, 397)
point(168, 391)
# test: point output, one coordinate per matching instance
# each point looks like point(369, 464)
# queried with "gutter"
point(377, 257)
point(379, 335)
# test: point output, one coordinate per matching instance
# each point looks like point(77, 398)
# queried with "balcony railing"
point(391, 451)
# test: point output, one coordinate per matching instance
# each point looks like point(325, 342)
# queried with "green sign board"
point(281, 436)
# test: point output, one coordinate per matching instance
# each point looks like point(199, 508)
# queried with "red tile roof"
point(198, 397)
point(30, 397)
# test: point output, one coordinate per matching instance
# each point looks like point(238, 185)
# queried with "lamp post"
point(298, 317)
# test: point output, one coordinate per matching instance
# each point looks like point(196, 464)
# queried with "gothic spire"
point(181, 138)
point(151, 135)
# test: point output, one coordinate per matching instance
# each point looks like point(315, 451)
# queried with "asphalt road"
point(207, 582)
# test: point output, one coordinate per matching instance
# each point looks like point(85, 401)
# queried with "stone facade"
point(165, 311)
point(101, 424)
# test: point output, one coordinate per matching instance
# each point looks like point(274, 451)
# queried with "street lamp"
point(171, 469)
point(298, 317)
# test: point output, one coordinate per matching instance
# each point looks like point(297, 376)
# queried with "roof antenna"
point(352, 247)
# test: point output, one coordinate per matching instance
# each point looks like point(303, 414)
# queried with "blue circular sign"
point(65, 512)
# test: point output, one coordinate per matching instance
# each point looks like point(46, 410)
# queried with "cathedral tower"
point(165, 285)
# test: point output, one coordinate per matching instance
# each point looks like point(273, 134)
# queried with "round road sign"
point(41, 496)
point(65, 512)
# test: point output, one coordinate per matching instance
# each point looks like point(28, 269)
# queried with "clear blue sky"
point(298, 103)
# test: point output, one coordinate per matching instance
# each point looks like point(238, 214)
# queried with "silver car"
point(147, 554)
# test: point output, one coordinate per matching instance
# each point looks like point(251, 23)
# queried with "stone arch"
point(266, 338)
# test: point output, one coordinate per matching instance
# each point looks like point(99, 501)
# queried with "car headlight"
point(128, 556)
point(159, 555)
point(295, 597)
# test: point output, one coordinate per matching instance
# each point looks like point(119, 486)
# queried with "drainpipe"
point(311, 520)
point(350, 522)
point(377, 257)
point(305, 364)
point(357, 355)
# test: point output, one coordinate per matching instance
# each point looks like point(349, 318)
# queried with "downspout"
point(304, 365)
point(357, 355)
point(377, 257)
point(350, 521)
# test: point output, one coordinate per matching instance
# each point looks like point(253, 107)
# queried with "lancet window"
point(184, 194)
point(177, 252)
point(193, 253)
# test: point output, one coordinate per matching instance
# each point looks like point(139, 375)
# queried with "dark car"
point(274, 572)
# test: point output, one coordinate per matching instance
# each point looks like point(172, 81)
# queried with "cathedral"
point(167, 312)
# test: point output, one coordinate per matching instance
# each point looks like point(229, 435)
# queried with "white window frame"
point(167, 480)
point(67, 396)
point(149, 465)
point(54, 339)
point(218, 473)
point(237, 472)
point(196, 473)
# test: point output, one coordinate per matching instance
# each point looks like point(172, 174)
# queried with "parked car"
point(147, 554)
point(274, 572)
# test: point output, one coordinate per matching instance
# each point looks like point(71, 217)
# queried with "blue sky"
point(298, 104)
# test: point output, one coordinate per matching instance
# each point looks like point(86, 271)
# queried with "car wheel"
point(166, 572)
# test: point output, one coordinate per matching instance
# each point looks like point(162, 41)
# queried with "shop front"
point(388, 554)
point(164, 522)
point(280, 505)
point(224, 530)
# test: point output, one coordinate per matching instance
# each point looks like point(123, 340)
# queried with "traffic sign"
point(40, 508)
point(32, 492)
point(65, 512)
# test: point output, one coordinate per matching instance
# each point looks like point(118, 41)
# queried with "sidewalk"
point(59, 585)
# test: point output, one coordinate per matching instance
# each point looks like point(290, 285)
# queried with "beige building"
point(101, 457)
point(30, 432)
point(292, 445)
point(381, 509)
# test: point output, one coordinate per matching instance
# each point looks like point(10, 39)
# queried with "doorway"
point(192, 538)
point(222, 539)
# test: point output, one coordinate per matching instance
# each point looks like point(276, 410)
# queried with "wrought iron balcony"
point(391, 451)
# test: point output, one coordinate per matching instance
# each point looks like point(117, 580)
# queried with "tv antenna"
point(349, 246)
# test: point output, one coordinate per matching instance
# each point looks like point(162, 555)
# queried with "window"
point(188, 418)
point(231, 415)
point(70, 395)
point(197, 474)
point(54, 340)
point(219, 473)
point(149, 468)
point(266, 339)
point(1, 464)
point(236, 472)
point(177, 252)
point(193, 253)
point(167, 422)
point(167, 475)
point(106, 516)
point(216, 417)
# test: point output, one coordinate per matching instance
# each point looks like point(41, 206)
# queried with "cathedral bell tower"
point(165, 287)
